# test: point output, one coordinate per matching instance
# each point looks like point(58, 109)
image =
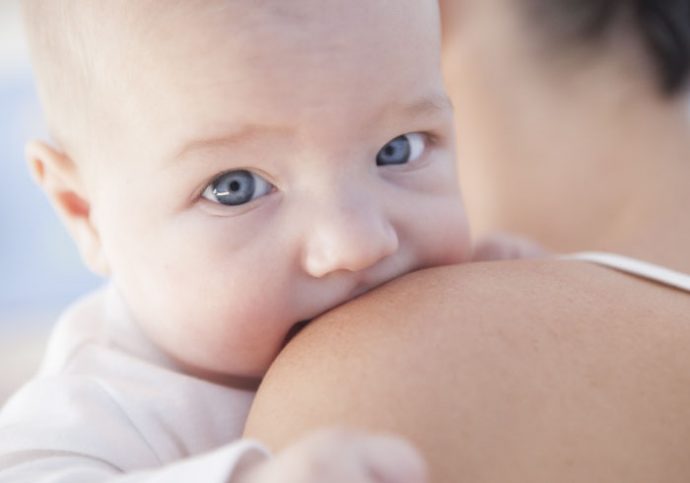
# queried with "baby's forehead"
point(117, 31)
point(140, 56)
point(254, 21)
point(267, 37)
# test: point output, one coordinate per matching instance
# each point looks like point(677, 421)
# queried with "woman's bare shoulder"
point(544, 294)
point(540, 367)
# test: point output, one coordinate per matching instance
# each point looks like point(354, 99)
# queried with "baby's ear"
point(62, 181)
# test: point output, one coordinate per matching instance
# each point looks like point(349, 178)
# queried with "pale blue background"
point(40, 271)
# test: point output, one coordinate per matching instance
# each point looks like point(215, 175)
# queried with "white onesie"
point(108, 406)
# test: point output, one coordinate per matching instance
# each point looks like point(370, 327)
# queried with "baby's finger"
point(343, 456)
point(390, 459)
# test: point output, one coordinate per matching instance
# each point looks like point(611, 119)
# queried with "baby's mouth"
point(294, 330)
point(359, 290)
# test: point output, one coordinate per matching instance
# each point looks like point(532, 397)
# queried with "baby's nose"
point(350, 239)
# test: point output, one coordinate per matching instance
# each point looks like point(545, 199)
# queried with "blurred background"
point(40, 270)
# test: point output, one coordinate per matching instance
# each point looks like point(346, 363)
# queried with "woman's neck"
point(575, 151)
point(635, 191)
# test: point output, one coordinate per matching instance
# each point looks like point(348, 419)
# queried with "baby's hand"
point(335, 456)
point(506, 246)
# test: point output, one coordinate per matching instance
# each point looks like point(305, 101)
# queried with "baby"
point(235, 168)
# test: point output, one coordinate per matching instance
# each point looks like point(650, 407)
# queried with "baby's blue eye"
point(237, 188)
point(401, 150)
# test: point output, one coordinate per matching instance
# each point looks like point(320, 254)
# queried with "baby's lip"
point(359, 289)
point(294, 330)
point(367, 286)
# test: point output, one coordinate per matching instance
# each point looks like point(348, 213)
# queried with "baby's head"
point(239, 166)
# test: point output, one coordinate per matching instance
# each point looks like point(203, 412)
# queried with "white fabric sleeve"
point(218, 466)
point(70, 429)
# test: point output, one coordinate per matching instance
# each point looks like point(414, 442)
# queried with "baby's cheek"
point(250, 337)
point(449, 235)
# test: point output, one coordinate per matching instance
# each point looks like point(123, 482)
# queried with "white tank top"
point(635, 267)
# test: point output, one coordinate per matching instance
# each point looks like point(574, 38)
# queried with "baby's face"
point(273, 160)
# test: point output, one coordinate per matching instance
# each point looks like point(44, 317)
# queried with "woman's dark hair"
point(663, 25)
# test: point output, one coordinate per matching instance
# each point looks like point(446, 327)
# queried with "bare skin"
point(539, 370)
point(529, 371)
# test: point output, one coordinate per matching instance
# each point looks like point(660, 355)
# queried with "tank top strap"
point(636, 267)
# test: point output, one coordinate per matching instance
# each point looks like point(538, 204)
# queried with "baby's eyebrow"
point(431, 104)
point(232, 136)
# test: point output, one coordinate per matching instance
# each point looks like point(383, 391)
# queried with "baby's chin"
point(236, 381)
